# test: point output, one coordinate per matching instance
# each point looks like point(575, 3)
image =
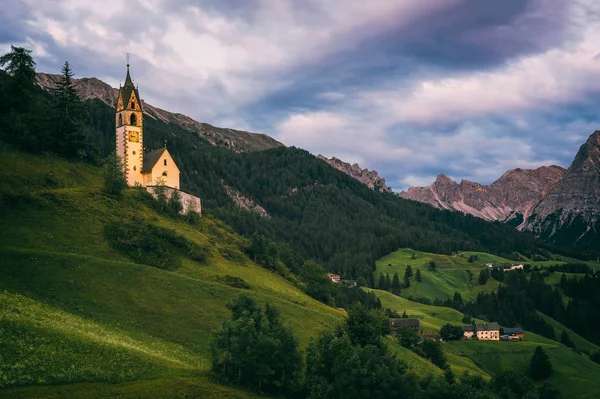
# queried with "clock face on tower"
point(134, 137)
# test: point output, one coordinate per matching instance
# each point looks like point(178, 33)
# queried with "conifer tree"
point(67, 118)
point(114, 178)
point(381, 282)
point(396, 284)
point(409, 271)
point(418, 275)
point(388, 282)
point(565, 339)
point(20, 65)
point(540, 364)
point(406, 280)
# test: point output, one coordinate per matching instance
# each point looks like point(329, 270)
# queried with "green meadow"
point(79, 319)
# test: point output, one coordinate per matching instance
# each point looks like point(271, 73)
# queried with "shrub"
point(232, 281)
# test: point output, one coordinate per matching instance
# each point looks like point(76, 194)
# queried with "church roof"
point(151, 158)
point(127, 88)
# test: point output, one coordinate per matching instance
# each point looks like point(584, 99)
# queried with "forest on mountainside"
point(320, 212)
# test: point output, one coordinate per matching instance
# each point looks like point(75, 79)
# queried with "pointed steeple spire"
point(128, 81)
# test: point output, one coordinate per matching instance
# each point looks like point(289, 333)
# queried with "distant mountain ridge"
point(559, 205)
point(370, 178)
point(235, 140)
point(510, 198)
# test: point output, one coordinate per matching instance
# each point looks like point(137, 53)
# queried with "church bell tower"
point(130, 132)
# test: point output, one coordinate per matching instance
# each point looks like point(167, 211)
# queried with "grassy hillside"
point(452, 274)
point(573, 373)
point(75, 311)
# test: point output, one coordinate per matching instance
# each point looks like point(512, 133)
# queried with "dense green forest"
point(321, 213)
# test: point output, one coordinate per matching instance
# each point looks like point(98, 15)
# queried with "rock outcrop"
point(511, 198)
point(570, 213)
point(365, 176)
point(244, 202)
point(235, 140)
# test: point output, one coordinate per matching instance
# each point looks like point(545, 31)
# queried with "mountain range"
point(559, 205)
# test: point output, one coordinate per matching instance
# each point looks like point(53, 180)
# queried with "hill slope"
point(77, 311)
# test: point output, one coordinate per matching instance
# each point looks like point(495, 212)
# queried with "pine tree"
point(418, 275)
point(396, 285)
point(409, 271)
point(388, 282)
point(67, 118)
point(20, 65)
point(114, 178)
point(381, 282)
point(565, 339)
point(406, 280)
point(540, 364)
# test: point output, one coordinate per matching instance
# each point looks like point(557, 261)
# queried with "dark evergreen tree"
point(255, 349)
point(388, 282)
point(540, 365)
point(409, 271)
point(431, 266)
point(381, 282)
point(19, 64)
point(484, 275)
point(396, 284)
point(114, 177)
point(67, 116)
point(406, 280)
point(565, 339)
point(418, 275)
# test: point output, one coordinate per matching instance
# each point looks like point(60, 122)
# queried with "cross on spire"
point(128, 58)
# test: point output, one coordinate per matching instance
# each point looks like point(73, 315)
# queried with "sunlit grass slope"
point(452, 274)
point(74, 311)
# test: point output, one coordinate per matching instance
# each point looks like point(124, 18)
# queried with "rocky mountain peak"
point(570, 212)
point(235, 140)
point(511, 196)
point(370, 178)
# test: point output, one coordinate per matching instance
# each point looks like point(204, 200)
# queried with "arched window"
point(132, 105)
point(164, 173)
point(133, 120)
point(165, 162)
point(120, 120)
point(134, 169)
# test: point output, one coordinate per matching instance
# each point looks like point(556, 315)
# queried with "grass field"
point(76, 314)
point(453, 274)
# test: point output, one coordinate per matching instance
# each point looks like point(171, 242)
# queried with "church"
point(156, 168)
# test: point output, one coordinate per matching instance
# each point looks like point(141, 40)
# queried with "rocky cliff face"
point(235, 140)
point(511, 198)
point(370, 178)
point(570, 212)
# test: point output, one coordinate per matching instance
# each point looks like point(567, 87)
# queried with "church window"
point(134, 168)
point(133, 120)
point(164, 173)
point(120, 119)
point(165, 162)
point(134, 153)
point(132, 105)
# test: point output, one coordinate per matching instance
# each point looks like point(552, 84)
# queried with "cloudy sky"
point(412, 88)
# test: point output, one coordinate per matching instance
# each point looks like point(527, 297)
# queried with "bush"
point(232, 281)
point(152, 245)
